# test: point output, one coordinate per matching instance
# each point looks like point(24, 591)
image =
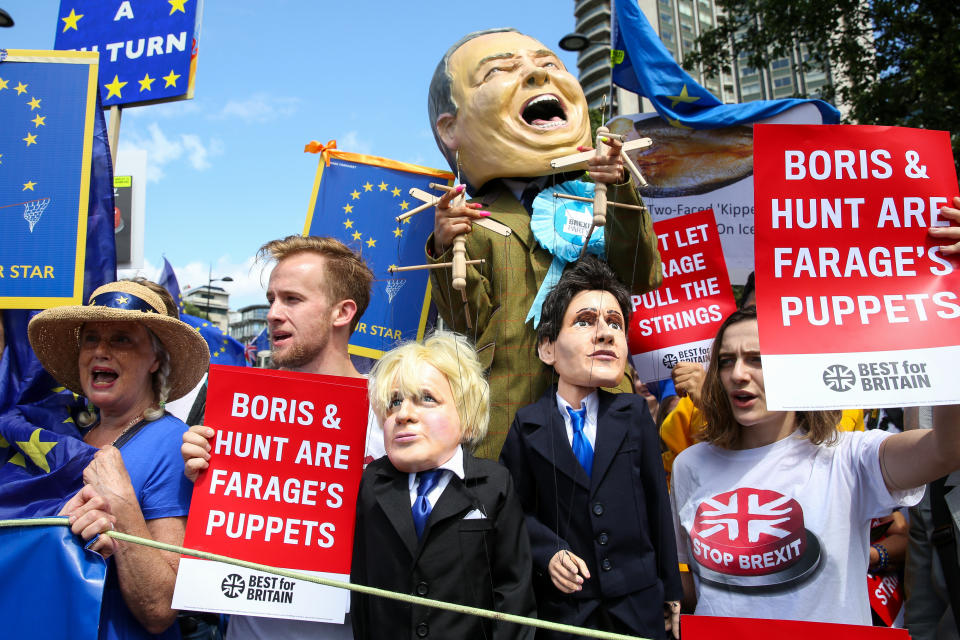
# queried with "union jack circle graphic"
point(839, 378)
point(232, 586)
point(752, 538)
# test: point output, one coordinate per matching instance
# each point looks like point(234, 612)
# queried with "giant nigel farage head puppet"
point(502, 105)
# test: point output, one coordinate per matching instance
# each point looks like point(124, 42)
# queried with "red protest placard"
point(857, 306)
point(677, 321)
point(281, 489)
point(710, 628)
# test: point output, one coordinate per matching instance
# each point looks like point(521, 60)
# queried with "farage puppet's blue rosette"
point(561, 227)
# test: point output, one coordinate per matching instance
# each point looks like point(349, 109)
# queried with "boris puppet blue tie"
point(581, 446)
point(421, 506)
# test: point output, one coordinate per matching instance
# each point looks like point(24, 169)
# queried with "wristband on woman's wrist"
point(884, 557)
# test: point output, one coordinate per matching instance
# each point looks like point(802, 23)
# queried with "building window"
point(782, 82)
point(780, 63)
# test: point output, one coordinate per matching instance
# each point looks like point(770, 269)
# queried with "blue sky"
point(227, 170)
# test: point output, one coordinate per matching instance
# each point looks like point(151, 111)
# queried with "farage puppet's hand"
point(608, 167)
point(452, 220)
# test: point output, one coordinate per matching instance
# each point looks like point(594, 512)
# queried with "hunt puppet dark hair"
point(590, 273)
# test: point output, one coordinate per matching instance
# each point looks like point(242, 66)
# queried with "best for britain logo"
point(839, 378)
point(232, 586)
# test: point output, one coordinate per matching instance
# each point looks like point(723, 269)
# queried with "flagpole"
point(113, 134)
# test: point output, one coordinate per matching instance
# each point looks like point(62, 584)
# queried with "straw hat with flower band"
point(55, 334)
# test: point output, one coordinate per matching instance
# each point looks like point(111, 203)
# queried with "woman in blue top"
point(128, 354)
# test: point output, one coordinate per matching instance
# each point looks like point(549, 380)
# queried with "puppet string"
point(372, 591)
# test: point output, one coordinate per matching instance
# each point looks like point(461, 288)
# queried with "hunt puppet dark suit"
point(618, 521)
point(482, 562)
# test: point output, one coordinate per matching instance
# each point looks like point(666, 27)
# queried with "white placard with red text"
point(857, 306)
point(678, 320)
point(281, 490)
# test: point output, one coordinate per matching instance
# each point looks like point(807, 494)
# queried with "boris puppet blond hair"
point(454, 357)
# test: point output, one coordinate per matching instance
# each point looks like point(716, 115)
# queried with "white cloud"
point(173, 109)
point(162, 149)
point(249, 278)
point(352, 142)
point(260, 107)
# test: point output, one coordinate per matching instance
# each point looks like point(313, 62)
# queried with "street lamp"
point(578, 42)
point(5, 19)
point(210, 281)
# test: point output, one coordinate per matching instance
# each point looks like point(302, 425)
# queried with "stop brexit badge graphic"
point(857, 305)
point(285, 467)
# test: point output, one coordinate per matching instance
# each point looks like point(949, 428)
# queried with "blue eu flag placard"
point(47, 106)
point(147, 48)
point(356, 199)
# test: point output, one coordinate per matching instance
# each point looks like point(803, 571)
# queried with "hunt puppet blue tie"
point(581, 446)
point(421, 506)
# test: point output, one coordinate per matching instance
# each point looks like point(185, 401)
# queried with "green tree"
point(890, 62)
point(193, 310)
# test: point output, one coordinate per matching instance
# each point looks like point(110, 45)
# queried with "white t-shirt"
point(782, 531)
point(254, 628)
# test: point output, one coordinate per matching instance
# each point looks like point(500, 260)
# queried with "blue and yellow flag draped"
point(356, 199)
point(224, 349)
point(51, 586)
point(642, 64)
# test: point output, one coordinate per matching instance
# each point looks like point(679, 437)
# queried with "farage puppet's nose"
point(537, 77)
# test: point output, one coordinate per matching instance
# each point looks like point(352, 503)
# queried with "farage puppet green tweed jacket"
point(499, 294)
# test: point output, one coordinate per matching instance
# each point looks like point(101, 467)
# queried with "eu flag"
point(48, 109)
point(642, 64)
point(356, 199)
point(52, 586)
point(224, 349)
point(147, 48)
point(168, 280)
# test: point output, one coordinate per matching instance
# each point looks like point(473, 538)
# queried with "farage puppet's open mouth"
point(544, 112)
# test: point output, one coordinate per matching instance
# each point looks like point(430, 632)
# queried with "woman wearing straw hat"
point(128, 353)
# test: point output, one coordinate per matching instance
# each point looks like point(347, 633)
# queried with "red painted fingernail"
point(460, 188)
point(485, 214)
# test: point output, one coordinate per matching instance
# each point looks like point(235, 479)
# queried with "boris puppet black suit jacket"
point(478, 561)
